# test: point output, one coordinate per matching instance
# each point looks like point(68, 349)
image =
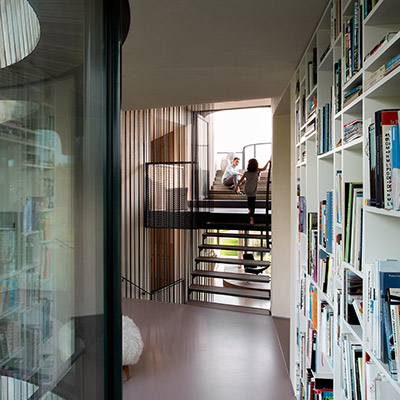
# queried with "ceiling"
point(185, 52)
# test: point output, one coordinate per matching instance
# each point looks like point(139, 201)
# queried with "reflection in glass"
point(51, 208)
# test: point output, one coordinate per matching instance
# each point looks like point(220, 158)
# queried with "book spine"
point(396, 167)
point(378, 160)
point(389, 119)
point(387, 173)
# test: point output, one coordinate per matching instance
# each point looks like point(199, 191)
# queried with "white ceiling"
point(182, 52)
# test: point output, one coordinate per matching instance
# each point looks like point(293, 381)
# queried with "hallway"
point(196, 353)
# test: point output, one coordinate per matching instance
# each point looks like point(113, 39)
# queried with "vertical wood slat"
point(172, 126)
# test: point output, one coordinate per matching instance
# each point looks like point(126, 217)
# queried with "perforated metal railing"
point(171, 195)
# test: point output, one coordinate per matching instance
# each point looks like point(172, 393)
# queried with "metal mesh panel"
point(171, 200)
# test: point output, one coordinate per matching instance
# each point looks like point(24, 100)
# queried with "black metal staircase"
point(241, 277)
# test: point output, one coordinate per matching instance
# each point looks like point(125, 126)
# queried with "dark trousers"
point(251, 204)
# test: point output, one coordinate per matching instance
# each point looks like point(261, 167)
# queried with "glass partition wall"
point(53, 116)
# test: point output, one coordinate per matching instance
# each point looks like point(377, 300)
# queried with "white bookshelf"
point(316, 175)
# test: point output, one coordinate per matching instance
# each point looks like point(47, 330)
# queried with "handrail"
point(254, 145)
point(168, 286)
point(268, 204)
point(153, 293)
point(144, 291)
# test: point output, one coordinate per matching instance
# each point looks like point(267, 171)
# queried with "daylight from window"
point(235, 131)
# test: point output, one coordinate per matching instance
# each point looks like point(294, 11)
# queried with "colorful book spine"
point(395, 167)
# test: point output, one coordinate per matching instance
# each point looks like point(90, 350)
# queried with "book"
point(339, 200)
point(388, 36)
point(349, 189)
point(384, 389)
point(395, 156)
point(387, 275)
point(356, 239)
point(389, 119)
point(393, 299)
point(371, 372)
point(372, 163)
point(383, 118)
point(374, 77)
point(329, 221)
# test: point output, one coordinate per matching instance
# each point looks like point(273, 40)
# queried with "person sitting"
point(231, 175)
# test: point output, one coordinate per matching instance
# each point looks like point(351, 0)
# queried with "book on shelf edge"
point(382, 118)
point(389, 119)
point(395, 166)
point(349, 189)
point(387, 275)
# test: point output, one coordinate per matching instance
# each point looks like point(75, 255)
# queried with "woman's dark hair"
point(252, 166)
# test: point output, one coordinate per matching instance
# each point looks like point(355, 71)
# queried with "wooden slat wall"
point(139, 130)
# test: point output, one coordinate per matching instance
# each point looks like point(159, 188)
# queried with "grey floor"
point(196, 353)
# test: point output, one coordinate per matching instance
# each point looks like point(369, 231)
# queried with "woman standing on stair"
point(252, 176)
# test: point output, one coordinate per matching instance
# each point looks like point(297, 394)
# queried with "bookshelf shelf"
point(337, 178)
point(386, 87)
point(356, 143)
point(381, 211)
point(355, 107)
point(312, 93)
point(353, 81)
point(354, 330)
point(384, 54)
point(384, 13)
point(347, 7)
point(328, 154)
point(352, 269)
point(326, 63)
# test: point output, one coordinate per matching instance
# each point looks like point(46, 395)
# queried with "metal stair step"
point(233, 276)
point(235, 248)
point(239, 226)
point(230, 307)
point(234, 235)
point(228, 291)
point(234, 261)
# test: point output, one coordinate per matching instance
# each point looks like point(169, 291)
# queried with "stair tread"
point(239, 292)
point(233, 275)
point(235, 261)
point(236, 226)
point(230, 307)
point(238, 248)
point(234, 235)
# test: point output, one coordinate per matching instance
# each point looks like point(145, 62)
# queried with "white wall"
point(281, 217)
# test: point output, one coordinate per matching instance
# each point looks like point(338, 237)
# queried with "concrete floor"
point(196, 353)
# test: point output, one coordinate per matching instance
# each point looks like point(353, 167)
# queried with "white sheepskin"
point(132, 343)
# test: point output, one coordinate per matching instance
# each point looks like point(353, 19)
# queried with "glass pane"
point(52, 121)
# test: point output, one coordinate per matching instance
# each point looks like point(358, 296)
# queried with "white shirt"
point(229, 171)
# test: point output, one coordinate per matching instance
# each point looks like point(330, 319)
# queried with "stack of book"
point(352, 130)
point(381, 72)
point(352, 95)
